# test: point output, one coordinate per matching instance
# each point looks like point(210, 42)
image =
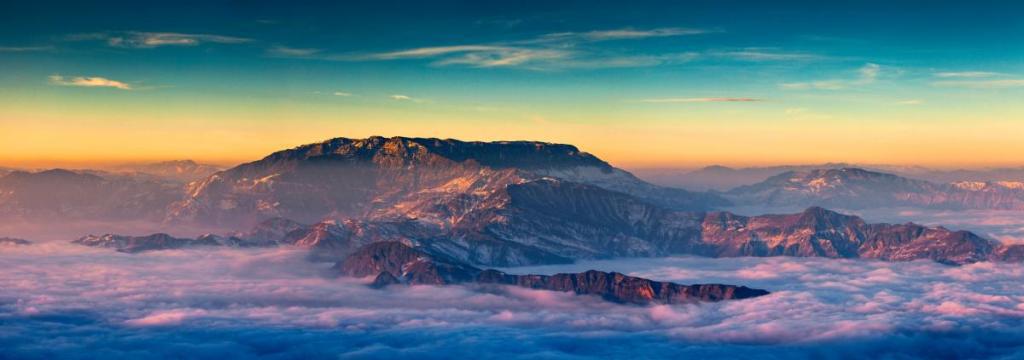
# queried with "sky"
point(643, 84)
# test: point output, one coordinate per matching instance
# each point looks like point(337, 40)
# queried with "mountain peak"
point(405, 151)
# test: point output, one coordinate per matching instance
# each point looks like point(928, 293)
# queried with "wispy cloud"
point(438, 51)
point(143, 40)
point(816, 85)
point(620, 34)
point(966, 74)
point(869, 73)
point(342, 93)
point(759, 54)
point(476, 55)
point(700, 100)
point(400, 97)
point(88, 81)
point(547, 52)
point(20, 49)
point(981, 84)
point(866, 74)
point(284, 51)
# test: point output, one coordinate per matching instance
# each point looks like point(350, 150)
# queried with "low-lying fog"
point(64, 301)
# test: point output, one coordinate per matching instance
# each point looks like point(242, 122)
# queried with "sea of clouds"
point(64, 301)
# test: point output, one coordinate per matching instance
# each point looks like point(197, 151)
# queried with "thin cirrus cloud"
point(866, 74)
point(976, 80)
point(619, 34)
point(760, 54)
point(284, 51)
point(816, 85)
point(475, 55)
point(700, 100)
point(22, 49)
point(546, 52)
point(400, 97)
point(145, 40)
point(89, 81)
point(966, 74)
point(981, 84)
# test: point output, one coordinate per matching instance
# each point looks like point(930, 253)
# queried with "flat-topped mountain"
point(387, 177)
point(853, 188)
point(392, 263)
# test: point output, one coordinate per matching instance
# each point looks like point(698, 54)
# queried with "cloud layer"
point(59, 301)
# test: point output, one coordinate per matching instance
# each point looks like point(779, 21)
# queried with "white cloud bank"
point(63, 301)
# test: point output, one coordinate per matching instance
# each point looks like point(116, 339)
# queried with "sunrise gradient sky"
point(658, 84)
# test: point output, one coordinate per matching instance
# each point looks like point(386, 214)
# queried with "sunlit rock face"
point(854, 188)
point(392, 263)
point(433, 179)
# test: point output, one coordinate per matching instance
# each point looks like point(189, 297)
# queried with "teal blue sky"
point(718, 76)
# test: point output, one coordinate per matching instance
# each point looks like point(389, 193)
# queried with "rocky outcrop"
point(621, 288)
point(135, 244)
point(408, 265)
point(393, 263)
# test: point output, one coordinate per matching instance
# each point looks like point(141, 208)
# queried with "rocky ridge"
point(394, 263)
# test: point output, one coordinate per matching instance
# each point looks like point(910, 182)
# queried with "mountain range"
point(854, 188)
point(621, 230)
point(509, 204)
point(69, 195)
point(723, 178)
point(177, 170)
